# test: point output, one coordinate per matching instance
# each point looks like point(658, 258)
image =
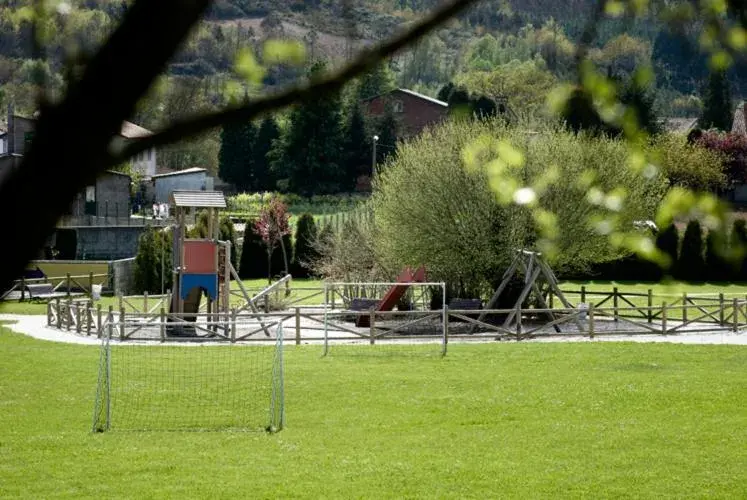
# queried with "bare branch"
point(367, 59)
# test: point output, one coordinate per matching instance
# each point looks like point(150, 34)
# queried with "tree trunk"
point(285, 264)
point(269, 265)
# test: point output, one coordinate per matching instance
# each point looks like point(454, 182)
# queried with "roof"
point(739, 126)
point(186, 171)
point(114, 172)
point(198, 199)
point(680, 125)
point(132, 131)
point(412, 93)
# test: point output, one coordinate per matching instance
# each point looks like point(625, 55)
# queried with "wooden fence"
point(326, 327)
point(71, 284)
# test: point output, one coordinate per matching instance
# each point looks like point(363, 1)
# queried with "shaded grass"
point(509, 420)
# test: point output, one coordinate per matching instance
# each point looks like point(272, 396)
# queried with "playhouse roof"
point(198, 199)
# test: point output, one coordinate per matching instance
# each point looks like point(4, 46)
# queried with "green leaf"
point(248, 68)
point(284, 52)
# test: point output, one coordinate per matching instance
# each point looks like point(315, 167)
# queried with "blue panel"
point(208, 282)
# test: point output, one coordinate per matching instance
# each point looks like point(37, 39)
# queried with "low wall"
point(61, 268)
point(109, 243)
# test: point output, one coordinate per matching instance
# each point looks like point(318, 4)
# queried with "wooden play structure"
point(537, 274)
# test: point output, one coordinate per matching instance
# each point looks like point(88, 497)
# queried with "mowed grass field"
point(498, 420)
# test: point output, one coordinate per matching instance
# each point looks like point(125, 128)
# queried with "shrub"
point(431, 210)
point(733, 149)
point(304, 253)
point(253, 254)
point(153, 246)
point(688, 165)
point(690, 266)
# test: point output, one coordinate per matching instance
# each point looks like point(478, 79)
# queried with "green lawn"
point(506, 420)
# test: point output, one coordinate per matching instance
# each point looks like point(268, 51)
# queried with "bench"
point(39, 290)
point(363, 305)
point(465, 304)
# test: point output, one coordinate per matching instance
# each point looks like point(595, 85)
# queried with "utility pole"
point(373, 159)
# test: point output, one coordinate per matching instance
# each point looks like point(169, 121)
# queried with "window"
point(90, 193)
point(398, 107)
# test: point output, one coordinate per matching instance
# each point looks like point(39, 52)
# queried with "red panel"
point(199, 257)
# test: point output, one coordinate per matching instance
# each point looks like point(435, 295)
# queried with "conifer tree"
point(717, 106)
point(267, 134)
point(304, 253)
point(668, 241)
point(717, 267)
point(388, 137)
point(738, 249)
point(691, 264)
point(379, 80)
point(357, 147)
point(253, 254)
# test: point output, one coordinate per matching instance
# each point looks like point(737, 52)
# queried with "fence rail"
point(71, 284)
point(325, 326)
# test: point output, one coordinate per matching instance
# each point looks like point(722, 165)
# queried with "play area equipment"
point(202, 265)
point(395, 293)
point(537, 273)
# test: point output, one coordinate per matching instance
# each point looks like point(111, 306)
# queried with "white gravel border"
point(36, 326)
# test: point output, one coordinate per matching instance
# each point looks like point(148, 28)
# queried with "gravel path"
point(35, 326)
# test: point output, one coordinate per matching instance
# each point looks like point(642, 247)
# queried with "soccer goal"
point(183, 385)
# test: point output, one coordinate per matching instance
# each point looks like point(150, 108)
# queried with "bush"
point(688, 165)
point(253, 254)
point(278, 266)
point(304, 253)
point(152, 246)
point(431, 210)
point(733, 150)
point(691, 265)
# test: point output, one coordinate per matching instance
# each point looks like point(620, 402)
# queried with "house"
point(414, 111)
point(680, 125)
point(20, 132)
point(109, 197)
point(191, 179)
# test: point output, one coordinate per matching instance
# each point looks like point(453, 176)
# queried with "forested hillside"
point(516, 48)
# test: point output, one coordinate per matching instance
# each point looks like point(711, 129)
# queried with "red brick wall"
point(417, 113)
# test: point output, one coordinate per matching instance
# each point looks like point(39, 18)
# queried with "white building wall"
point(197, 181)
point(145, 163)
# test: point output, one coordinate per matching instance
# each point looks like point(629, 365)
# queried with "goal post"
point(182, 385)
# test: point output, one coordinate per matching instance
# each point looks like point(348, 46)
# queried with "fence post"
point(90, 284)
point(298, 326)
point(163, 324)
point(583, 294)
point(684, 307)
point(122, 324)
point(89, 317)
point(234, 312)
point(267, 303)
point(145, 302)
point(78, 327)
point(664, 318)
point(372, 318)
point(615, 303)
point(59, 313)
point(49, 313)
point(120, 300)
point(650, 305)
point(69, 307)
point(721, 309)
point(98, 320)
point(110, 321)
point(550, 299)
point(735, 323)
point(518, 322)
point(68, 284)
point(23, 288)
point(591, 321)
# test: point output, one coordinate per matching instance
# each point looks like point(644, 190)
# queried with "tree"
point(717, 267)
point(312, 154)
point(153, 256)
point(304, 254)
point(253, 254)
point(445, 92)
point(717, 105)
point(738, 249)
point(668, 242)
point(235, 156)
point(377, 81)
point(272, 225)
point(357, 147)
point(691, 266)
point(267, 135)
point(388, 133)
point(642, 100)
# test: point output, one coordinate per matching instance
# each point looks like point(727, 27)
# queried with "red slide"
point(396, 292)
